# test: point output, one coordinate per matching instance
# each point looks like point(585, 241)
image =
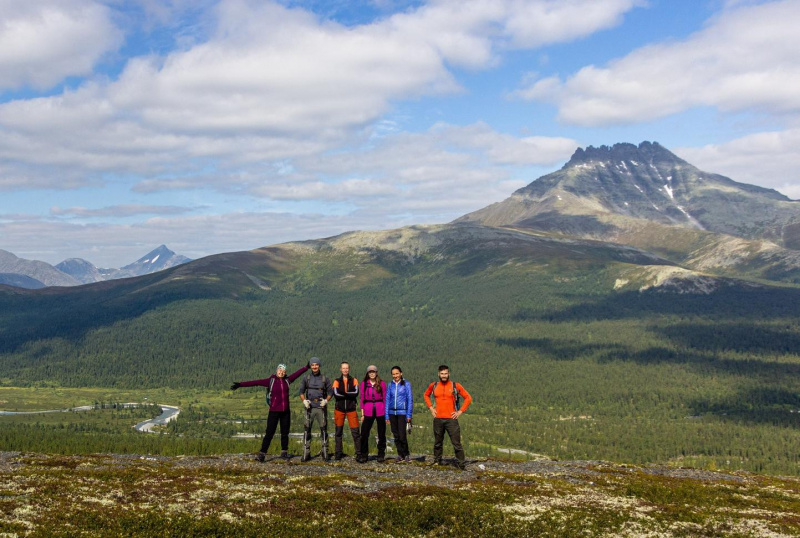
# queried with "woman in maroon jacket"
point(373, 392)
point(278, 397)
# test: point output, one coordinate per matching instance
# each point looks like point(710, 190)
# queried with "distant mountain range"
point(619, 199)
point(33, 274)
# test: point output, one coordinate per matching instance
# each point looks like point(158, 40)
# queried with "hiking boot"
point(339, 457)
point(381, 457)
point(361, 458)
point(285, 454)
point(398, 459)
point(305, 458)
point(462, 465)
point(437, 463)
point(260, 456)
point(407, 459)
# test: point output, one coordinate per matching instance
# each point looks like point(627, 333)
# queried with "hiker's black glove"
point(236, 385)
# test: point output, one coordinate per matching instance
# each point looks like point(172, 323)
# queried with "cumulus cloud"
point(396, 170)
point(745, 59)
point(769, 159)
point(448, 169)
point(507, 149)
point(269, 83)
point(44, 41)
point(278, 104)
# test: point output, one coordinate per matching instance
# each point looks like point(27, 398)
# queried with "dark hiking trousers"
point(273, 419)
point(398, 423)
point(320, 416)
point(366, 428)
point(449, 425)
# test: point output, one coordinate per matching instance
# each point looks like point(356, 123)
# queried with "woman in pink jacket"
point(373, 392)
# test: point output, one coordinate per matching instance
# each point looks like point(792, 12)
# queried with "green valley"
point(559, 362)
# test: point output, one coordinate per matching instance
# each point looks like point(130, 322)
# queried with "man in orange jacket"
point(447, 397)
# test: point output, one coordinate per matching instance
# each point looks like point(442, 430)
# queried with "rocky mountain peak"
point(153, 256)
point(600, 187)
point(156, 260)
point(646, 152)
point(83, 271)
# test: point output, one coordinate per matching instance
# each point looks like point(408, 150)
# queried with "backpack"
point(325, 383)
point(456, 395)
point(269, 392)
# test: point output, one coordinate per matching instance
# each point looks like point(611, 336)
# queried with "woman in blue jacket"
point(399, 406)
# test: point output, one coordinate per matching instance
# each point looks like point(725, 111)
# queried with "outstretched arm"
point(256, 383)
point(297, 374)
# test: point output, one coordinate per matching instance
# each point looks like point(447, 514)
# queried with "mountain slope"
point(76, 271)
point(81, 270)
point(156, 260)
point(575, 336)
point(37, 270)
point(20, 281)
point(649, 198)
point(646, 182)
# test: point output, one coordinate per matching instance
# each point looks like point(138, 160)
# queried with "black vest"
point(348, 402)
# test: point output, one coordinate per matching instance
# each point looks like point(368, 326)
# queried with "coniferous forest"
point(558, 363)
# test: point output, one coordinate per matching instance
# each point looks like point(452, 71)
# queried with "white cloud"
point(745, 59)
point(278, 104)
point(506, 149)
point(403, 179)
point(349, 189)
point(270, 83)
point(118, 211)
point(436, 175)
point(44, 41)
point(768, 159)
point(272, 70)
point(533, 24)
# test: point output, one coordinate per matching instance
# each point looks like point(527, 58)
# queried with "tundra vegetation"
point(115, 495)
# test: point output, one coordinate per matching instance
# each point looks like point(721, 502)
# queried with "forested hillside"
point(559, 362)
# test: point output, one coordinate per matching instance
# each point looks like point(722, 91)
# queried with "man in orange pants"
point(345, 390)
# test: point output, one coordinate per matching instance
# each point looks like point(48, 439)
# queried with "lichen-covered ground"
point(233, 495)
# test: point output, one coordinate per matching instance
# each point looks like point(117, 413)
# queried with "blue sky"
point(215, 126)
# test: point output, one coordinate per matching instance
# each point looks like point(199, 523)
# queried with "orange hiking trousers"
point(339, 416)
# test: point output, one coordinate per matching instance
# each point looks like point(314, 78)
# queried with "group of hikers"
point(382, 403)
